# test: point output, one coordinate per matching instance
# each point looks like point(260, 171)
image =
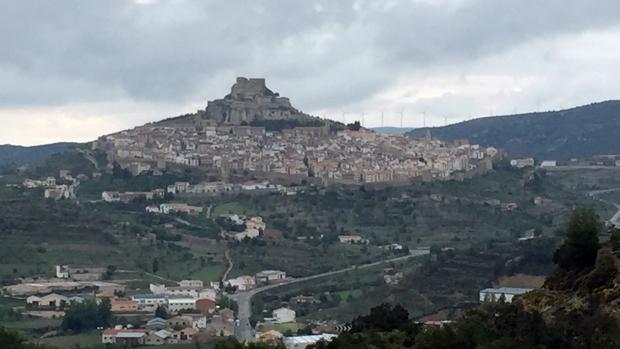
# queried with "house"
point(549, 163)
point(180, 208)
point(191, 283)
point(124, 336)
point(178, 303)
point(270, 337)
point(205, 305)
point(492, 295)
point(51, 300)
point(304, 300)
point(158, 338)
point(350, 239)
point(302, 342)
point(283, 315)
point(62, 271)
point(184, 335)
point(521, 163)
point(221, 325)
point(122, 305)
point(180, 321)
point(156, 324)
point(111, 196)
point(157, 288)
point(242, 283)
point(268, 276)
point(152, 209)
point(198, 321)
point(150, 300)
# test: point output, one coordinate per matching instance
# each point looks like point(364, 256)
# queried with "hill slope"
point(572, 133)
point(23, 155)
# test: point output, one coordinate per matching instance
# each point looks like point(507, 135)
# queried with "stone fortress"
point(249, 100)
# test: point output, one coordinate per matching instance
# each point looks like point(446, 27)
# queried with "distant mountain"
point(392, 130)
point(556, 135)
point(23, 155)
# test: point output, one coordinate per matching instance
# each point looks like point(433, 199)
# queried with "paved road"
point(245, 332)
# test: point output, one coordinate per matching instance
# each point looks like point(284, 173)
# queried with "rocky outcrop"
point(249, 100)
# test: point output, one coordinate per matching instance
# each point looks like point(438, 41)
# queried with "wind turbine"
point(382, 118)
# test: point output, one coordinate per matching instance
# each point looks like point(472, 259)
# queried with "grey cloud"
point(79, 51)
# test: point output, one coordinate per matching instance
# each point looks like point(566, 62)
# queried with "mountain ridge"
point(577, 132)
point(21, 155)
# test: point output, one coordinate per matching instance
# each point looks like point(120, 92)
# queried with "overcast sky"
point(74, 70)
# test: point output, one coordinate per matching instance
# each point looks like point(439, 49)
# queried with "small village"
point(192, 311)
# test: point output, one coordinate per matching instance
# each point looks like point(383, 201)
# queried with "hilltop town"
point(254, 129)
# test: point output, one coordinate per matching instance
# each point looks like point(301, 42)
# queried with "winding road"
point(244, 330)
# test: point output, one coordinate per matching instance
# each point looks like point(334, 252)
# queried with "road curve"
point(244, 330)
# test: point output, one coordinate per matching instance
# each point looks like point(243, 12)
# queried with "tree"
point(87, 315)
point(104, 312)
point(383, 317)
point(581, 244)
point(161, 312)
point(155, 265)
point(13, 340)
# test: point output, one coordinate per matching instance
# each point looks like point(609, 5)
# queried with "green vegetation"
point(12, 340)
point(234, 344)
point(581, 245)
point(579, 313)
point(87, 315)
point(61, 232)
point(18, 155)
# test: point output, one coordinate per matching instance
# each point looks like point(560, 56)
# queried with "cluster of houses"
point(247, 282)
point(128, 197)
point(215, 139)
point(221, 187)
point(175, 207)
point(53, 189)
point(595, 161)
point(184, 328)
point(252, 227)
point(194, 315)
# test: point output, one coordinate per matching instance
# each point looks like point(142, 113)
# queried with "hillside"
point(22, 155)
point(572, 133)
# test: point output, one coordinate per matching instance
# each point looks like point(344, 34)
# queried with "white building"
point(242, 283)
point(349, 239)
point(492, 295)
point(191, 283)
point(549, 163)
point(521, 163)
point(302, 342)
point(62, 271)
point(150, 299)
point(267, 276)
point(111, 196)
point(283, 315)
point(178, 303)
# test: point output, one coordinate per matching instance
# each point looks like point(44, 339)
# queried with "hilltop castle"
point(249, 100)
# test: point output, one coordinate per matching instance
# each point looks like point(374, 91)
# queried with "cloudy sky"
point(73, 70)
